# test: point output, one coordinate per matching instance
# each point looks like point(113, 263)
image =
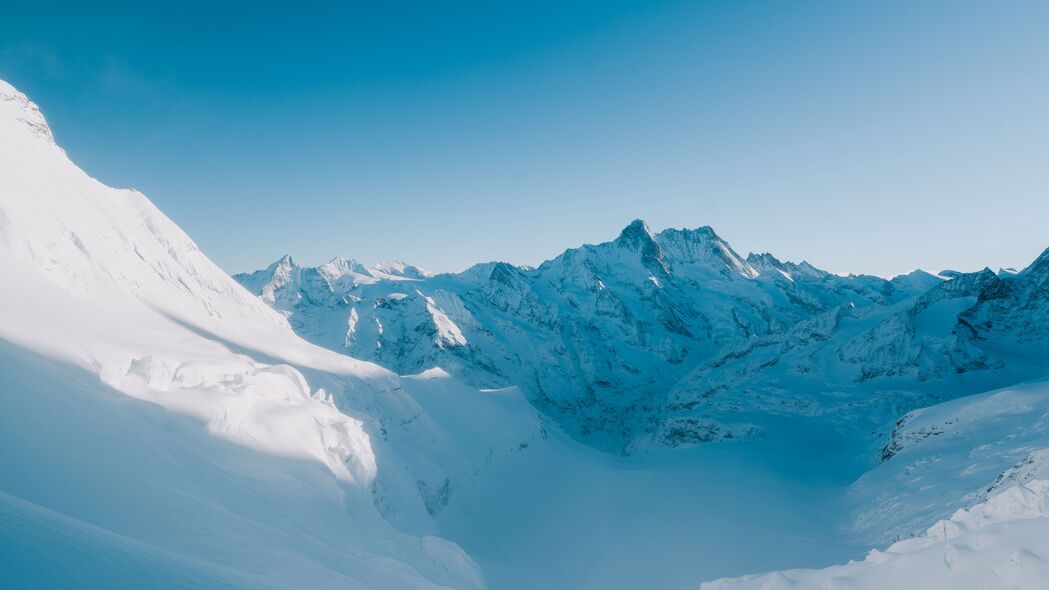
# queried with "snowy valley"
point(656, 411)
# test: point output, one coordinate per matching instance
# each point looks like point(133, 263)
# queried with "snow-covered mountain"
point(673, 338)
point(163, 427)
point(166, 427)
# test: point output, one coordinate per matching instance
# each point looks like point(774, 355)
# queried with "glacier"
point(654, 411)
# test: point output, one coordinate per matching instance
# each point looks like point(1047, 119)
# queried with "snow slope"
point(160, 416)
point(953, 456)
point(984, 459)
point(999, 544)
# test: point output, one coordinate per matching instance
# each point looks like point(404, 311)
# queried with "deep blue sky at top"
point(867, 137)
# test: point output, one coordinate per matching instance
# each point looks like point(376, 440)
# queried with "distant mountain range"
point(673, 338)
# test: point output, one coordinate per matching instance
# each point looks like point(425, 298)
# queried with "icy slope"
point(984, 459)
point(951, 456)
point(999, 544)
point(158, 415)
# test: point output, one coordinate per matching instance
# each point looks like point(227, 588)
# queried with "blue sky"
point(866, 137)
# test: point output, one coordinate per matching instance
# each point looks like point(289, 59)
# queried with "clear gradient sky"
point(862, 136)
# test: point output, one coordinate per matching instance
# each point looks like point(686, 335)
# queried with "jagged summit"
point(342, 268)
point(704, 247)
point(636, 235)
point(763, 260)
point(693, 252)
point(700, 235)
point(767, 263)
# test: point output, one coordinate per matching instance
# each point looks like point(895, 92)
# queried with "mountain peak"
point(282, 268)
point(635, 233)
point(398, 269)
point(637, 237)
point(17, 107)
point(340, 267)
point(764, 261)
point(703, 245)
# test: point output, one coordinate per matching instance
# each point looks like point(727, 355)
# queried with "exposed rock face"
point(668, 338)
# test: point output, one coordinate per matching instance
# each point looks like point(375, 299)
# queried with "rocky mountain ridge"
point(673, 338)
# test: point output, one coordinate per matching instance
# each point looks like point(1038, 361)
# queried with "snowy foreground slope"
point(998, 544)
point(164, 427)
point(984, 458)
